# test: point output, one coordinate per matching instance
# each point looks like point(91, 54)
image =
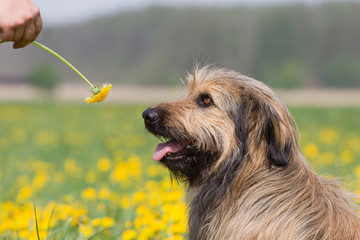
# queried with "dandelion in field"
point(98, 94)
point(129, 234)
point(126, 203)
point(120, 173)
point(329, 135)
point(107, 222)
point(105, 193)
point(139, 197)
point(347, 156)
point(86, 231)
point(24, 194)
point(104, 164)
point(311, 150)
point(357, 171)
point(88, 194)
point(354, 143)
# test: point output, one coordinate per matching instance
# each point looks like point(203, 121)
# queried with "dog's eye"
point(205, 101)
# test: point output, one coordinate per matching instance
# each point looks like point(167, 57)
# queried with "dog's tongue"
point(169, 147)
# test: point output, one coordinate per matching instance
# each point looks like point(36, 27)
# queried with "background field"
point(89, 171)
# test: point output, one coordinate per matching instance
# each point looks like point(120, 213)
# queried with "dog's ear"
point(274, 131)
point(260, 123)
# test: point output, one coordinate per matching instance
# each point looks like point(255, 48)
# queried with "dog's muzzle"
point(151, 116)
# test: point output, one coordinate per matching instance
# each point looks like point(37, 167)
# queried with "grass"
point(88, 170)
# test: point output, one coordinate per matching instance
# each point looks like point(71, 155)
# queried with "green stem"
point(64, 60)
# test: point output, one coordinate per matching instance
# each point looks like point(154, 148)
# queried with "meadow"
point(86, 171)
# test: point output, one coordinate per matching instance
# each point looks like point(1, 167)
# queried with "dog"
point(235, 145)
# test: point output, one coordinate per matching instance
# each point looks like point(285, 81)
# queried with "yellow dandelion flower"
point(99, 94)
point(104, 193)
point(96, 222)
point(357, 171)
point(86, 231)
point(88, 194)
point(107, 222)
point(311, 150)
point(347, 156)
point(126, 203)
point(104, 164)
point(40, 180)
point(139, 197)
point(129, 234)
point(24, 194)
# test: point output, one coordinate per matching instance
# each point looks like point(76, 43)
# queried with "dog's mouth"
point(172, 150)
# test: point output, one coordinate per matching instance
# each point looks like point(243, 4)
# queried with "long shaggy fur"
point(247, 178)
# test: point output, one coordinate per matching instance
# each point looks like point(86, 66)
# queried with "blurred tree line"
point(285, 46)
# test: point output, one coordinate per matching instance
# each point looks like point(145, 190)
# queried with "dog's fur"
point(246, 175)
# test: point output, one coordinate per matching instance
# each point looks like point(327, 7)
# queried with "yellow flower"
point(86, 231)
point(88, 194)
point(347, 156)
point(104, 193)
point(107, 222)
point(40, 180)
point(126, 203)
point(139, 197)
point(311, 150)
point(129, 234)
point(329, 135)
point(24, 194)
point(357, 171)
point(98, 95)
point(104, 164)
point(96, 222)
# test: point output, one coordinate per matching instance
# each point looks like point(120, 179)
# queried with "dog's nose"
point(150, 115)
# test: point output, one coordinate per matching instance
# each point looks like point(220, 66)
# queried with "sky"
point(59, 12)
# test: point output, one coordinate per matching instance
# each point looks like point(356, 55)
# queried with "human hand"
point(20, 22)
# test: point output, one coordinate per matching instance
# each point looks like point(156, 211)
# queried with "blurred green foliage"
point(44, 77)
point(342, 72)
point(284, 45)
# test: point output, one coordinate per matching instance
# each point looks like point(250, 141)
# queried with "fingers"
point(6, 34)
point(18, 34)
point(28, 35)
point(30, 31)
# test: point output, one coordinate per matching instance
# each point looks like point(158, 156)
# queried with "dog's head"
point(223, 120)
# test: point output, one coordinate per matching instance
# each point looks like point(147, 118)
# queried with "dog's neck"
point(207, 200)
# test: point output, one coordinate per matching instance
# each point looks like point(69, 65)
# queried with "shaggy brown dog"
point(235, 144)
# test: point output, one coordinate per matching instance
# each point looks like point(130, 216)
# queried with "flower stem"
point(64, 60)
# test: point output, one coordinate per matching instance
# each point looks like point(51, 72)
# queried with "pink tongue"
point(169, 147)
